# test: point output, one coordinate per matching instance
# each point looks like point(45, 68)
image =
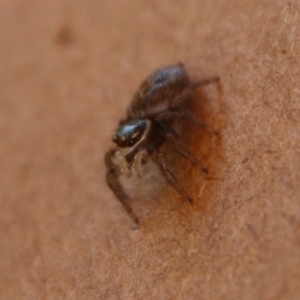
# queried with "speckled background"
point(68, 71)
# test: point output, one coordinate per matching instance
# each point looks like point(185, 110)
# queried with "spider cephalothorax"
point(148, 125)
point(130, 135)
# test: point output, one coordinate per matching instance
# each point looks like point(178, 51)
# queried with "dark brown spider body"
point(148, 125)
point(157, 93)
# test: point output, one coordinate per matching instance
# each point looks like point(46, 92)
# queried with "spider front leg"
point(122, 162)
point(112, 178)
point(161, 160)
point(140, 159)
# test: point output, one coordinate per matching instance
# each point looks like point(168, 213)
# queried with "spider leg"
point(161, 160)
point(174, 138)
point(169, 115)
point(139, 159)
point(190, 90)
point(122, 162)
point(112, 178)
point(207, 81)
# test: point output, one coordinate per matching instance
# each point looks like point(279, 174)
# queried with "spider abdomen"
point(158, 91)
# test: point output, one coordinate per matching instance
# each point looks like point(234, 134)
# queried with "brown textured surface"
point(68, 70)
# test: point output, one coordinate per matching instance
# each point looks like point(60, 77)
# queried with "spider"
point(148, 125)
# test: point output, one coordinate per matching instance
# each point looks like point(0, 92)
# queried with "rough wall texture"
point(68, 71)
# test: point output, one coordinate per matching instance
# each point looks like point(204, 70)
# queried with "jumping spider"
point(148, 125)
